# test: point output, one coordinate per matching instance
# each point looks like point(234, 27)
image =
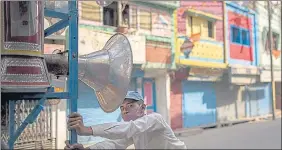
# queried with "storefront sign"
point(205, 74)
point(244, 70)
point(91, 41)
point(192, 78)
point(241, 75)
point(243, 80)
point(265, 76)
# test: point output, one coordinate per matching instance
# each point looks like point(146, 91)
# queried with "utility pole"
point(271, 58)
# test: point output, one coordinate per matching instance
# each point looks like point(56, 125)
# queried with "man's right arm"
point(112, 144)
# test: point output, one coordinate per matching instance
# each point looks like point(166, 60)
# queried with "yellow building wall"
point(199, 25)
point(203, 49)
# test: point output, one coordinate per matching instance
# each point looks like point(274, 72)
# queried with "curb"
point(188, 132)
point(200, 129)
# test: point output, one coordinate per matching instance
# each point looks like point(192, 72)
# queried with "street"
point(257, 135)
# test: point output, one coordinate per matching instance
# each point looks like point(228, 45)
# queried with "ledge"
point(196, 63)
point(158, 38)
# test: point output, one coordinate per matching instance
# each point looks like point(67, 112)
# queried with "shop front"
point(156, 80)
point(199, 97)
point(254, 94)
point(202, 65)
point(154, 85)
point(265, 77)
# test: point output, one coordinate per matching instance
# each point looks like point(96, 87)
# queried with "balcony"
point(205, 53)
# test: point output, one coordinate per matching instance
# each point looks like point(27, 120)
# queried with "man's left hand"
point(73, 146)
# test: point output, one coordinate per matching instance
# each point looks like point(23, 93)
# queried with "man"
point(144, 131)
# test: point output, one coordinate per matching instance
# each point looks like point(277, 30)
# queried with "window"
point(245, 37)
point(200, 25)
point(275, 41)
point(210, 29)
point(133, 22)
point(110, 14)
point(125, 15)
point(235, 34)
point(240, 36)
point(145, 19)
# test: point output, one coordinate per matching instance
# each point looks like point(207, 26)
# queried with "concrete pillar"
point(139, 85)
point(163, 96)
point(61, 126)
point(59, 114)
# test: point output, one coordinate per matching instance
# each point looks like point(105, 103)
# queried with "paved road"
point(259, 135)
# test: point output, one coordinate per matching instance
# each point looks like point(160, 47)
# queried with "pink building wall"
point(213, 7)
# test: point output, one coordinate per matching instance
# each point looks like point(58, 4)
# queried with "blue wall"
point(199, 103)
point(89, 108)
point(258, 100)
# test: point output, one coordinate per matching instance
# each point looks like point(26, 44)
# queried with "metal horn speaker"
point(107, 71)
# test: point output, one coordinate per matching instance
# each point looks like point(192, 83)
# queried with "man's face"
point(131, 108)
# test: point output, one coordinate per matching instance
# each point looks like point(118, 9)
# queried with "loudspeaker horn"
point(107, 71)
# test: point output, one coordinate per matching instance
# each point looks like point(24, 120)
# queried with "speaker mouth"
point(107, 71)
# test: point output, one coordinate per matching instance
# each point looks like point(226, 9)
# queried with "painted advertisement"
point(91, 41)
point(203, 50)
point(161, 23)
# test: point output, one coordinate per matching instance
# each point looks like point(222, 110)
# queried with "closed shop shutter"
point(199, 104)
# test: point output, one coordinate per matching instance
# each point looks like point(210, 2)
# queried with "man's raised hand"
point(75, 122)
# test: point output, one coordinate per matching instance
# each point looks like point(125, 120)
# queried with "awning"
point(198, 13)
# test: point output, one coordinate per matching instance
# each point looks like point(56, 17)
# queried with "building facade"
point(243, 57)
point(218, 59)
point(200, 60)
point(264, 63)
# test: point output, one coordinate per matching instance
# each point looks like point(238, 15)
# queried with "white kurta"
point(148, 132)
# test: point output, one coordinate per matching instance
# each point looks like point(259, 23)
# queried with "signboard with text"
point(205, 74)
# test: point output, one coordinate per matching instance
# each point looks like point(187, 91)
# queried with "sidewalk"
point(268, 116)
point(200, 129)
